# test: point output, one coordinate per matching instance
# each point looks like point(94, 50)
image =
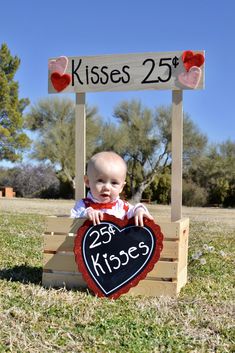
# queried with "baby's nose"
point(106, 186)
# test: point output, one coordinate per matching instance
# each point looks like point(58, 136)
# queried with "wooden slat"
point(164, 269)
point(66, 244)
point(63, 280)
point(184, 226)
point(63, 224)
point(146, 287)
point(125, 72)
point(169, 229)
point(151, 288)
point(183, 251)
point(65, 268)
point(182, 278)
point(63, 262)
point(170, 250)
point(58, 243)
point(183, 244)
point(60, 262)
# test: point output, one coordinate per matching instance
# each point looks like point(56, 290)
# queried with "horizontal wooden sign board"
point(127, 72)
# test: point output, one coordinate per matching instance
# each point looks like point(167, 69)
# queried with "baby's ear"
point(86, 181)
point(123, 185)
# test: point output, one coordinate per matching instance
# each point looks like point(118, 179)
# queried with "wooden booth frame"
point(170, 273)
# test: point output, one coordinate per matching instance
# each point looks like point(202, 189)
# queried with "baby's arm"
point(80, 211)
point(139, 212)
point(94, 215)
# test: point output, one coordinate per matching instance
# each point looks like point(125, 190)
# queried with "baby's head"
point(106, 174)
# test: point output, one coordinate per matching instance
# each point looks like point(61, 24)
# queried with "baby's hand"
point(139, 215)
point(94, 215)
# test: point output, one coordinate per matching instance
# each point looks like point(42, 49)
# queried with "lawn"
point(34, 319)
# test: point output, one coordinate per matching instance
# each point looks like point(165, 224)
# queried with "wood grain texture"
point(177, 151)
point(126, 72)
point(80, 145)
point(168, 276)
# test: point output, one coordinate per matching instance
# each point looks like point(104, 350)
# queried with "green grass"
point(34, 319)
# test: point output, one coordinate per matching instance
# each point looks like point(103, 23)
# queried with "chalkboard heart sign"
point(115, 255)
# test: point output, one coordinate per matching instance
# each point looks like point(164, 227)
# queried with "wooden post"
point(80, 145)
point(177, 149)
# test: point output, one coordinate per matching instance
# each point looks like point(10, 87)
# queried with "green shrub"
point(193, 195)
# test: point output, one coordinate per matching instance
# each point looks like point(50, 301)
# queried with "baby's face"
point(106, 180)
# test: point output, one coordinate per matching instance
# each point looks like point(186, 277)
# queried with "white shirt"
point(120, 209)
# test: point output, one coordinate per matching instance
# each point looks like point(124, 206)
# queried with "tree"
point(13, 141)
point(135, 140)
point(34, 181)
point(216, 173)
point(227, 150)
point(53, 120)
point(143, 138)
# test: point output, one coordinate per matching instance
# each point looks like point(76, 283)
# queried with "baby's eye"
point(115, 182)
point(100, 180)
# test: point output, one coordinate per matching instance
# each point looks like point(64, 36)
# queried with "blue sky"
point(38, 30)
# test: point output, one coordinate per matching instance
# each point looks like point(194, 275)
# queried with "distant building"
point(7, 191)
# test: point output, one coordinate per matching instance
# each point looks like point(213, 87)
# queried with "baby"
point(106, 174)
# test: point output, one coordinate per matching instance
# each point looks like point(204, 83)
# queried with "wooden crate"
point(167, 278)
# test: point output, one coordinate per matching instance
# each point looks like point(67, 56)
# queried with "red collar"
point(98, 206)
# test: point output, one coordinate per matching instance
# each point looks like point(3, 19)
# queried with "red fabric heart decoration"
point(190, 59)
point(60, 82)
point(115, 255)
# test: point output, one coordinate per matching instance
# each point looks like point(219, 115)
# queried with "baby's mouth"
point(105, 195)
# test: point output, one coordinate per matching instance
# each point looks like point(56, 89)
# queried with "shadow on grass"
point(23, 273)
point(31, 275)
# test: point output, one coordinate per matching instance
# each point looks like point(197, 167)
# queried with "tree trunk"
point(148, 179)
point(137, 196)
point(69, 177)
